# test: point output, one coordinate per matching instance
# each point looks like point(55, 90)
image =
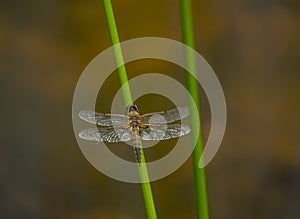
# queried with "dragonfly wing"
point(103, 119)
point(164, 132)
point(109, 134)
point(169, 115)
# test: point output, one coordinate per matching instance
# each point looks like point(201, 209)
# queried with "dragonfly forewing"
point(169, 115)
point(103, 119)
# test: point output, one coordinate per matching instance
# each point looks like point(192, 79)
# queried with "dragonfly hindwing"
point(109, 134)
point(164, 132)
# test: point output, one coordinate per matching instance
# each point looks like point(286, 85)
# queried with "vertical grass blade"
point(113, 32)
point(143, 173)
point(192, 86)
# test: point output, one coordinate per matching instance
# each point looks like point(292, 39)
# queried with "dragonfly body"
point(135, 122)
point(133, 126)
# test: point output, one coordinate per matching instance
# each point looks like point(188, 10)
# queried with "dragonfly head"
point(132, 108)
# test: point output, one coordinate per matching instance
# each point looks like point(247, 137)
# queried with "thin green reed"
point(142, 169)
point(192, 86)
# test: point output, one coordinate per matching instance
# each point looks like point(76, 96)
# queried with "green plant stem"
point(112, 27)
point(192, 85)
point(142, 168)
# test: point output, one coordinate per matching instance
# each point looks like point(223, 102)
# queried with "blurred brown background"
point(253, 47)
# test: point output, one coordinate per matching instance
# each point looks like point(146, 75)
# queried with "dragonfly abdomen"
point(136, 144)
point(137, 151)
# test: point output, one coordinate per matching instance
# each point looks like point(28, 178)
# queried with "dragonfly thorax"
point(134, 117)
point(134, 124)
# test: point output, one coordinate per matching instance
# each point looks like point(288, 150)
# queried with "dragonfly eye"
point(133, 108)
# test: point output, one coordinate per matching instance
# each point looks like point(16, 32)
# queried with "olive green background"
point(253, 47)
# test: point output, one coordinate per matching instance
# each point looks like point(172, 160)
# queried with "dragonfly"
point(134, 127)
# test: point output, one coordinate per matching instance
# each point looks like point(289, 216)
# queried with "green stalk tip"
point(192, 86)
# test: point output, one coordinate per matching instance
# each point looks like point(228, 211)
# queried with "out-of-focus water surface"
point(253, 47)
